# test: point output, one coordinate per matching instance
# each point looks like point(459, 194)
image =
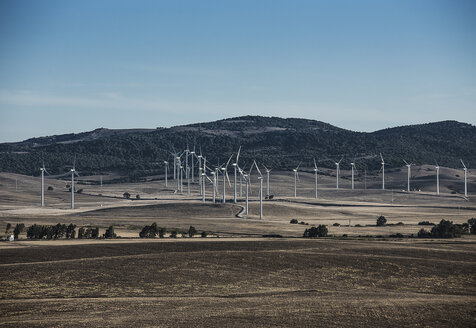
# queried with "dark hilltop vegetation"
point(272, 141)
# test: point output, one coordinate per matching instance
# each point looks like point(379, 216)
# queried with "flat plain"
point(236, 278)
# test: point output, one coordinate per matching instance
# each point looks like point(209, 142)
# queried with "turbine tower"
point(247, 181)
point(73, 172)
point(315, 178)
point(296, 177)
point(337, 173)
point(225, 175)
point(465, 179)
point(192, 158)
point(235, 167)
point(383, 172)
point(437, 179)
point(409, 170)
point(43, 170)
point(267, 180)
point(166, 164)
point(260, 197)
point(353, 168)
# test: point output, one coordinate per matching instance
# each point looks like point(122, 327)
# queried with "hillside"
point(273, 141)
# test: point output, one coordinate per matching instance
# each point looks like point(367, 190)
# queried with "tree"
point(137, 196)
point(95, 233)
point(204, 234)
point(423, 233)
point(319, 231)
point(81, 233)
point(161, 232)
point(50, 188)
point(381, 221)
point(110, 233)
point(7, 229)
point(18, 230)
point(446, 229)
point(472, 225)
point(70, 231)
point(126, 195)
point(173, 234)
point(294, 221)
point(149, 231)
point(191, 231)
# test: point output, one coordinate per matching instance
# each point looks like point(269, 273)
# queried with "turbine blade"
point(298, 165)
point(382, 158)
point(257, 168)
point(315, 164)
point(406, 162)
point(238, 155)
point(462, 163)
point(229, 159)
point(228, 178)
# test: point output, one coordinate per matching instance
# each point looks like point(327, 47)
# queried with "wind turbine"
point(437, 179)
point(315, 177)
point(353, 168)
point(465, 179)
point(225, 175)
point(43, 170)
point(260, 197)
point(73, 172)
point(383, 172)
point(166, 164)
point(337, 172)
point(408, 174)
point(235, 167)
point(214, 183)
point(192, 153)
point(296, 177)
point(267, 180)
point(247, 181)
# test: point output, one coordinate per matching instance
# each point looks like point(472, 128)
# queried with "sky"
point(73, 66)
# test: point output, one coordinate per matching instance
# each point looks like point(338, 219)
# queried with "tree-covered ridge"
point(273, 141)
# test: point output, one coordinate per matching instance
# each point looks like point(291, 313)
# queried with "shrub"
point(137, 196)
point(319, 231)
point(126, 195)
point(50, 188)
point(336, 224)
point(161, 232)
point(79, 191)
point(110, 233)
point(397, 235)
point(423, 233)
point(95, 232)
point(19, 227)
point(446, 229)
point(358, 225)
point(173, 234)
point(294, 221)
point(7, 229)
point(70, 231)
point(472, 225)
point(191, 231)
point(149, 231)
point(81, 233)
point(204, 234)
point(426, 223)
point(381, 221)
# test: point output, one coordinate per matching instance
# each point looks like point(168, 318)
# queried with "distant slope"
point(276, 142)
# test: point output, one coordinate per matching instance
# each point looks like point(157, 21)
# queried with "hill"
point(273, 141)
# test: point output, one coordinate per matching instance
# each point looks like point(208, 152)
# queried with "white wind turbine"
point(315, 177)
point(192, 153)
point(383, 172)
point(296, 177)
point(267, 180)
point(409, 172)
point(166, 165)
point(353, 169)
point(437, 179)
point(337, 172)
point(260, 178)
point(43, 170)
point(465, 179)
point(225, 176)
point(235, 167)
point(73, 172)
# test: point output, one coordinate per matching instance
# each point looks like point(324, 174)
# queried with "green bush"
point(381, 221)
point(110, 233)
point(191, 231)
point(336, 224)
point(294, 221)
point(426, 223)
point(204, 234)
point(319, 231)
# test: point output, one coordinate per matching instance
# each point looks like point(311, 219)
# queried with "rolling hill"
point(273, 141)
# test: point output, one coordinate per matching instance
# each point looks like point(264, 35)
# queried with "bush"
point(204, 234)
point(19, 227)
point(173, 234)
point(426, 223)
point(191, 231)
point(8, 227)
point(161, 232)
point(294, 221)
point(397, 235)
point(149, 231)
point(81, 232)
point(110, 233)
point(126, 195)
point(423, 233)
point(472, 225)
point(137, 196)
point(50, 188)
point(381, 221)
point(446, 229)
point(79, 191)
point(336, 224)
point(319, 231)
point(358, 225)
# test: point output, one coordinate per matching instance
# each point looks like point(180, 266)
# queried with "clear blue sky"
point(72, 66)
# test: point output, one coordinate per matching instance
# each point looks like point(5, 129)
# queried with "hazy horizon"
point(69, 67)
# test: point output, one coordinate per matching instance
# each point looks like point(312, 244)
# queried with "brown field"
point(234, 283)
point(359, 281)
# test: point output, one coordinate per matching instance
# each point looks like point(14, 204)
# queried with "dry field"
point(240, 283)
